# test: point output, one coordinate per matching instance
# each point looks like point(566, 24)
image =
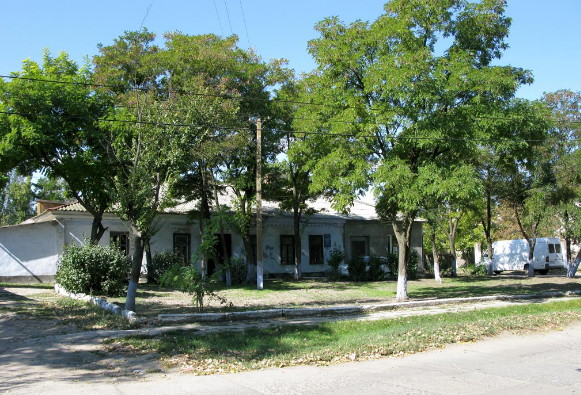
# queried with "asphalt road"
point(543, 363)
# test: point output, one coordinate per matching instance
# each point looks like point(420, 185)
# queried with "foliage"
point(53, 126)
point(357, 269)
point(401, 98)
point(370, 268)
point(162, 261)
point(414, 260)
point(51, 188)
point(237, 267)
point(16, 200)
point(93, 269)
point(189, 280)
point(336, 258)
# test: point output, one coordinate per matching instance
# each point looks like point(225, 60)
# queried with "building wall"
point(274, 227)
point(380, 238)
point(37, 247)
point(29, 253)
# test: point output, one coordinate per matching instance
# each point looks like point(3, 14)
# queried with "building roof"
point(362, 209)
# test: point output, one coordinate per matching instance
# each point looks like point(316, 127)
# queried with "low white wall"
point(30, 251)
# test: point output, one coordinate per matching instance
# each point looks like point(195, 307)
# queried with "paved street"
point(40, 356)
point(544, 363)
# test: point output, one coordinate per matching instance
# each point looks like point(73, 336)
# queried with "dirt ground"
point(36, 350)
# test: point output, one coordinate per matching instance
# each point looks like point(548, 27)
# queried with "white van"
point(514, 255)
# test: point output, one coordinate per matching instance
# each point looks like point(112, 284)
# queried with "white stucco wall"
point(30, 251)
point(274, 227)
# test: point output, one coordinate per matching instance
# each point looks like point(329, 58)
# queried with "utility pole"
point(259, 265)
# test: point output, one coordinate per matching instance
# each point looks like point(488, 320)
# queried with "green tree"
point(402, 96)
point(53, 127)
point(16, 200)
point(51, 189)
point(566, 108)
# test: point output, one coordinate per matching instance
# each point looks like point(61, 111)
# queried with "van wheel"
point(544, 271)
point(497, 271)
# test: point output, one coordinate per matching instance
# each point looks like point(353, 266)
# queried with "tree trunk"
point(487, 226)
point(297, 244)
point(489, 267)
point(452, 241)
point(531, 240)
point(135, 273)
point(531, 268)
point(150, 278)
point(403, 230)
point(437, 276)
point(97, 229)
point(573, 266)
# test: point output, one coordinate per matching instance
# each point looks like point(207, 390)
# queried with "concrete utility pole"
point(259, 266)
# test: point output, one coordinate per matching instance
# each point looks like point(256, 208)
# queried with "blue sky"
point(544, 35)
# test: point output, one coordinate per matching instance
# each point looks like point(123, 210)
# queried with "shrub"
point(238, 270)
point(357, 269)
point(414, 260)
point(93, 269)
point(336, 258)
point(162, 261)
point(189, 280)
point(374, 268)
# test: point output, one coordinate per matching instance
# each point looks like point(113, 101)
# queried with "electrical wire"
point(286, 132)
point(240, 98)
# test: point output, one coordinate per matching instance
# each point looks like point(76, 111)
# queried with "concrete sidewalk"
point(543, 363)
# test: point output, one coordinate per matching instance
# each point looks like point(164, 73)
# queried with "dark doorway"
point(219, 250)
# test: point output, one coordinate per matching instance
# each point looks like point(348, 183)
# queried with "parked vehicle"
point(514, 255)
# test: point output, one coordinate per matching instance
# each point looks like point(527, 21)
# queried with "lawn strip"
point(335, 342)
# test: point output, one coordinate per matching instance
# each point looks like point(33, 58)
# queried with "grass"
point(153, 300)
point(335, 342)
point(49, 306)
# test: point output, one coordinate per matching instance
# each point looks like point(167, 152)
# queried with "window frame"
point(284, 245)
point(188, 246)
point(319, 250)
point(118, 235)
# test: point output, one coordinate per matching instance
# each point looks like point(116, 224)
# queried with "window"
point(551, 248)
point(181, 244)
point(359, 246)
point(558, 248)
point(287, 250)
point(316, 250)
point(121, 240)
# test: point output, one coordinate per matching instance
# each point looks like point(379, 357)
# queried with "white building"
point(30, 251)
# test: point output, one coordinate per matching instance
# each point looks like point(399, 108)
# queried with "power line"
point(245, 26)
point(295, 132)
point(218, 15)
point(233, 97)
point(228, 14)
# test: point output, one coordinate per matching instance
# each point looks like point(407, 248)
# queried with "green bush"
point(238, 270)
point(374, 270)
point(357, 269)
point(162, 261)
point(336, 258)
point(93, 270)
point(414, 260)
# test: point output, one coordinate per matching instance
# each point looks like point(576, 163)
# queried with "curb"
point(101, 302)
point(346, 310)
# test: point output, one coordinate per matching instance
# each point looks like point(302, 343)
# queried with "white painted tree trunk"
point(437, 276)
point(402, 288)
